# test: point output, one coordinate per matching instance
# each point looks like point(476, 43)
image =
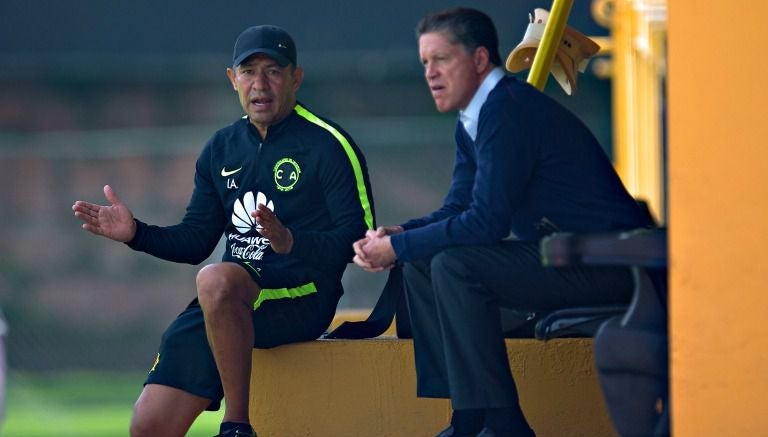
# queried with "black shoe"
point(488, 432)
point(451, 432)
point(237, 433)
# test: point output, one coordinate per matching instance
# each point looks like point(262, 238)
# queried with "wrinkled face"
point(451, 72)
point(267, 91)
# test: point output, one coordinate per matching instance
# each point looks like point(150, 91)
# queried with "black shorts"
point(185, 360)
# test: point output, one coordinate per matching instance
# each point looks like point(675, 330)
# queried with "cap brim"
point(280, 59)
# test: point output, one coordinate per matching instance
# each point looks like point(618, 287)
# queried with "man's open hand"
point(114, 221)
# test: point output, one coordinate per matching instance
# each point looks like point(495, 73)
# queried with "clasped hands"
point(374, 253)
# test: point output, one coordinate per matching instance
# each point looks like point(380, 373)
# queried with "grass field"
point(79, 405)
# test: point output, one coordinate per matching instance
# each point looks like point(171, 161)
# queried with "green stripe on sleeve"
point(282, 293)
point(361, 191)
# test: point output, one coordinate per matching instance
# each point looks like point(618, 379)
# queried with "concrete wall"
point(362, 388)
point(718, 193)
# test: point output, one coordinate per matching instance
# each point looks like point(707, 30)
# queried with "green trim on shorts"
point(282, 293)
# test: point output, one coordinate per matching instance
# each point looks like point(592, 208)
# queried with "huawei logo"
point(241, 216)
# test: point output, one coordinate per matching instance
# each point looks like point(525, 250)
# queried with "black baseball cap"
point(270, 40)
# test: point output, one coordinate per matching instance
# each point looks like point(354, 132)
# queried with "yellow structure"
point(638, 37)
point(717, 193)
point(718, 215)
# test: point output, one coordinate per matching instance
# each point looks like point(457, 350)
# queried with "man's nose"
point(430, 71)
point(259, 81)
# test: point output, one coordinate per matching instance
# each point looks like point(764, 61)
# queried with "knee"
point(217, 283)
point(139, 429)
point(141, 425)
point(416, 277)
point(450, 264)
point(411, 271)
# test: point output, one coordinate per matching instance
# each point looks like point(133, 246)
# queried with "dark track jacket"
point(307, 170)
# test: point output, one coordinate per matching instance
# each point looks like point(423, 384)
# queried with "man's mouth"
point(436, 89)
point(260, 101)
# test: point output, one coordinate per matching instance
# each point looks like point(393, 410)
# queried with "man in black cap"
point(289, 191)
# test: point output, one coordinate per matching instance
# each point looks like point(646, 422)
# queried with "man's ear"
point(481, 59)
point(231, 75)
point(298, 77)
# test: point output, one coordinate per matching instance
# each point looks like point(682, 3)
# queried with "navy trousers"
point(456, 301)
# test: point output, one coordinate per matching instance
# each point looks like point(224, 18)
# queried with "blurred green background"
point(80, 404)
point(126, 93)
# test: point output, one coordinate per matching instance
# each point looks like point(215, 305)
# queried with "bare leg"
point(165, 411)
point(226, 294)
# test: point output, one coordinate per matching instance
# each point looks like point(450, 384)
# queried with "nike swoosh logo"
point(225, 172)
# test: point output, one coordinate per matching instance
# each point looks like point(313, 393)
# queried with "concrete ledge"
point(362, 388)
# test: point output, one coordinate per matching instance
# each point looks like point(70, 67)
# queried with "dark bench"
point(630, 345)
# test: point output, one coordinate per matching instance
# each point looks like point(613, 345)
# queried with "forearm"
point(448, 210)
point(182, 243)
point(326, 248)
